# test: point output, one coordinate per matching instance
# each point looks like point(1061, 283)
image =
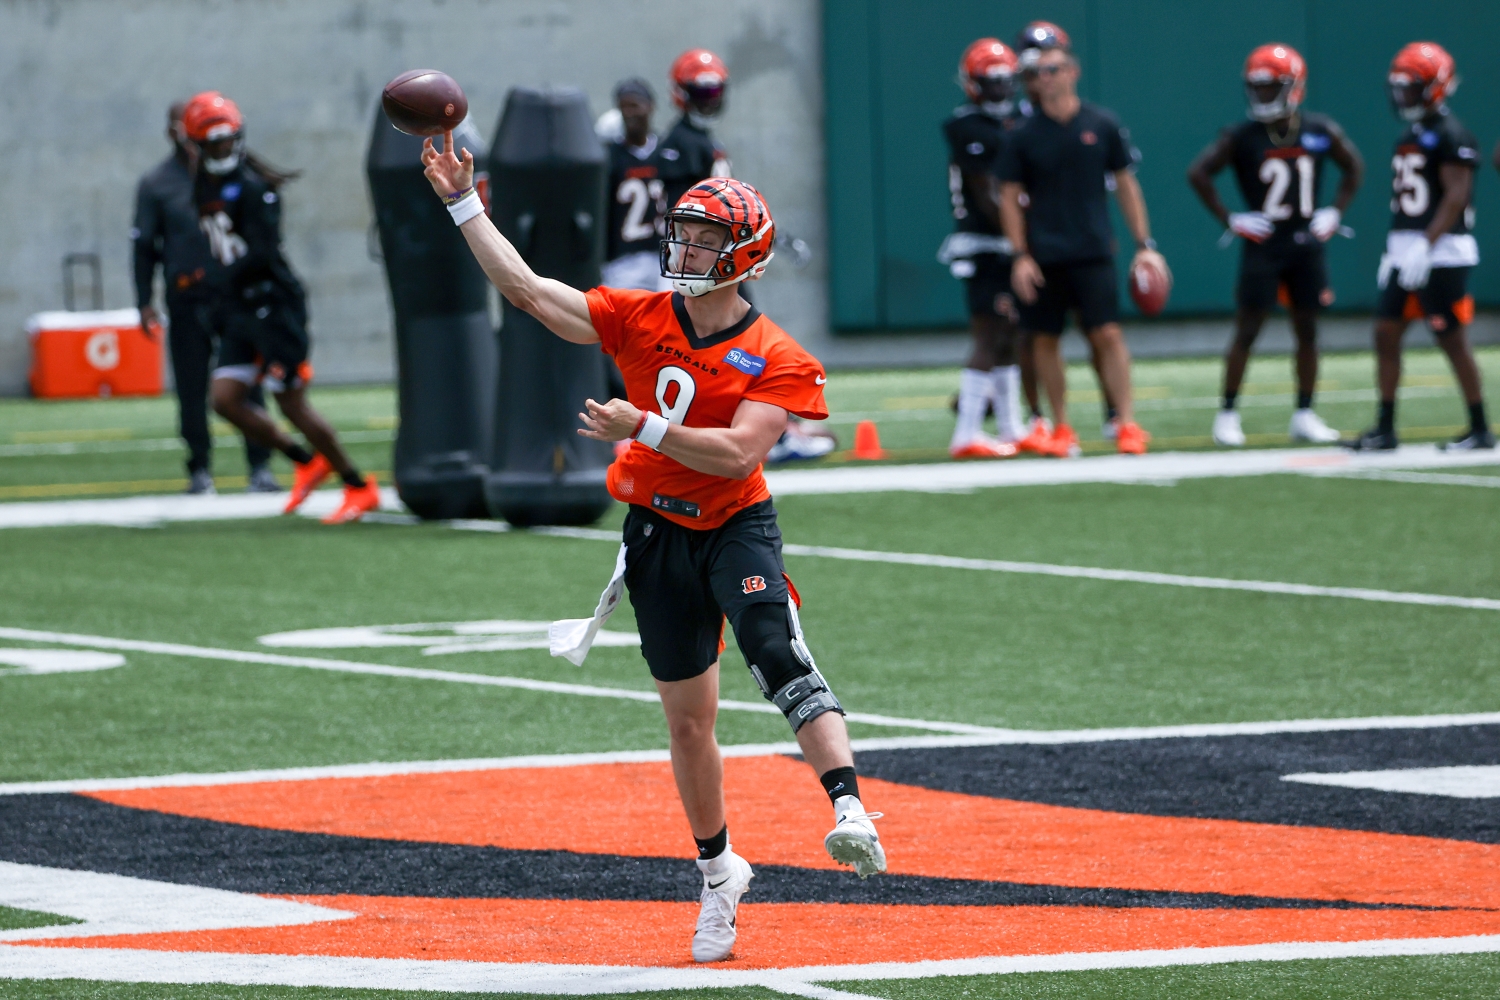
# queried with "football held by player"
point(980, 255)
point(710, 383)
point(259, 309)
point(1062, 159)
point(1278, 159)
point(1430, 248)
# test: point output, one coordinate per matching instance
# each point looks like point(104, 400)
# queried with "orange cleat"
point(984, 447)
point(1037, 438)
point(306, 478)
point(358, 501)
point(1132, 439)
point(1063, 443)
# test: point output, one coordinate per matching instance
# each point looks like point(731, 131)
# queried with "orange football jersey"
point(697, 382)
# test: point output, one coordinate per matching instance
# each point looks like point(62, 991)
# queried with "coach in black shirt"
point(166, 235)
point(1063, 159)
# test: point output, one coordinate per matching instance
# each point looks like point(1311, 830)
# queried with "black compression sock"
point(713, 846)
point(1387, 417)
point(1229, 399)
point(1036, 414)
point(1477, 421)
point(297, 454)
point(352, 478)
point(1110, 413)
point(1304, 400)
point(840, 782)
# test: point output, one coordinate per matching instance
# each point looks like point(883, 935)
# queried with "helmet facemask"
point(1269, 97)
point(220, 165)
point(702, 102)
point(1409, 97)
point(994, 93)
point(698, 253)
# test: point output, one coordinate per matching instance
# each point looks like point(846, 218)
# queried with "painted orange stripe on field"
point(778, 815)
point(776, 934)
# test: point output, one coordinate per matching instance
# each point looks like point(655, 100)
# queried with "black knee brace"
point(771, 640)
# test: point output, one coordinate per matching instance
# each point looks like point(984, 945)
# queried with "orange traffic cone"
point(867, 441)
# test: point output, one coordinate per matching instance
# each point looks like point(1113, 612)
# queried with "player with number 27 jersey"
point(697, 382)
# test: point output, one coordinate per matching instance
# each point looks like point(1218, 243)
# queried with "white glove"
point(1253, 226)
point(1414, 265)
point(1325, 223)
point(1383, 276)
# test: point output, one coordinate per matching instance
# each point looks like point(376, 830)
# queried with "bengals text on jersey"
point(697, 382)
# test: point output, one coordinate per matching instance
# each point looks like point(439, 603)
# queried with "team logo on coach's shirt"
point(1089, 138)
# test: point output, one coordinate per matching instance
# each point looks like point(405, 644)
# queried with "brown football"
point(424, 102)
point(1150, 287)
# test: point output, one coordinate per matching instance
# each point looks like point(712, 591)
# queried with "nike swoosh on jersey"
point(819, 380)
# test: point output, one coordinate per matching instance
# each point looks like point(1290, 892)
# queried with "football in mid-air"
point(424, 102)
point(1150, 286)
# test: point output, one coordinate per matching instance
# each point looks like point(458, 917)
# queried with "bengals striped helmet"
point(1275, 82)
point(698, 259)
point(1423, 75)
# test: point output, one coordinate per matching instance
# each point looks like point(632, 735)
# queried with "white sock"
point(718, 865)
point(1005, 387)
point(973, 393)
point(844, 805)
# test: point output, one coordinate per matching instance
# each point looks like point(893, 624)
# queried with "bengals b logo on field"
point(751, 584)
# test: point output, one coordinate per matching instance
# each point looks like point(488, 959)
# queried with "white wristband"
point(466, 208)
point(654, 431)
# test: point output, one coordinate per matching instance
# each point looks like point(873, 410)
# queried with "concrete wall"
point(86, 84)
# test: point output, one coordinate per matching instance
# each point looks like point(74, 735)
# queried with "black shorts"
point(264, 343)
point(1298, 267)
point(988, 291)
point(1444, 301)
point(683, 582)
point(1092, 288)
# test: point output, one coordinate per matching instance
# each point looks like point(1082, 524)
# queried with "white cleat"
point(853, 841)
point(725, 880)
point(1227, 431)
point(1308, 426)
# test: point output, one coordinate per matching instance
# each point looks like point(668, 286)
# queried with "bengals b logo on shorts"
point(751, 584)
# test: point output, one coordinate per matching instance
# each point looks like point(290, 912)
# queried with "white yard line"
point(942, 477)
point(1137, 576)
point(1420, 478)
point(994, 737)
point(450, 676)
point(144, 966)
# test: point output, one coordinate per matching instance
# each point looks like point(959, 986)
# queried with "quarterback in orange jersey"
point(710, 383)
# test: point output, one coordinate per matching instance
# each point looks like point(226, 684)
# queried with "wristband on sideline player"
point(466, 208)
point(653, 429)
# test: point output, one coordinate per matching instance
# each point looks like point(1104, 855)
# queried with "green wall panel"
point(1171, 69)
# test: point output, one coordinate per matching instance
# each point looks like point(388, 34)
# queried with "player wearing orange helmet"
point(709, 385)
point(979, 254)
point(260, 308)
point(1278, 158)
point(1430, 249)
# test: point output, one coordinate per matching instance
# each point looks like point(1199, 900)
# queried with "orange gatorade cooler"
point(104, 353)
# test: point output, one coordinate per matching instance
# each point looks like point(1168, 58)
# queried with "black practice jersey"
point(688, 155)
point(241, 216)
point(1416, 177)
point(1063, 168)
point(974, 140)
point(637, 199)
point(1283, 178)
point(166, 232)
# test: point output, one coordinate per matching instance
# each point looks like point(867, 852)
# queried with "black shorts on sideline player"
point(1265, 268)
point(1443, 302)
point(264, 343)
point(683, 582)
point(1091, 288)
point(988, 290)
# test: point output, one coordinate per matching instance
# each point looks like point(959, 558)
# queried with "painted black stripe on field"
point(76, 832)
point(1222, 777)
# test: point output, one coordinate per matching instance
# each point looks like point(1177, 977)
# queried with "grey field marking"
point(1419, 478)
point(124, 445)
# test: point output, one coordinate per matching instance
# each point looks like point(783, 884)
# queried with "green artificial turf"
point(13, 919)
